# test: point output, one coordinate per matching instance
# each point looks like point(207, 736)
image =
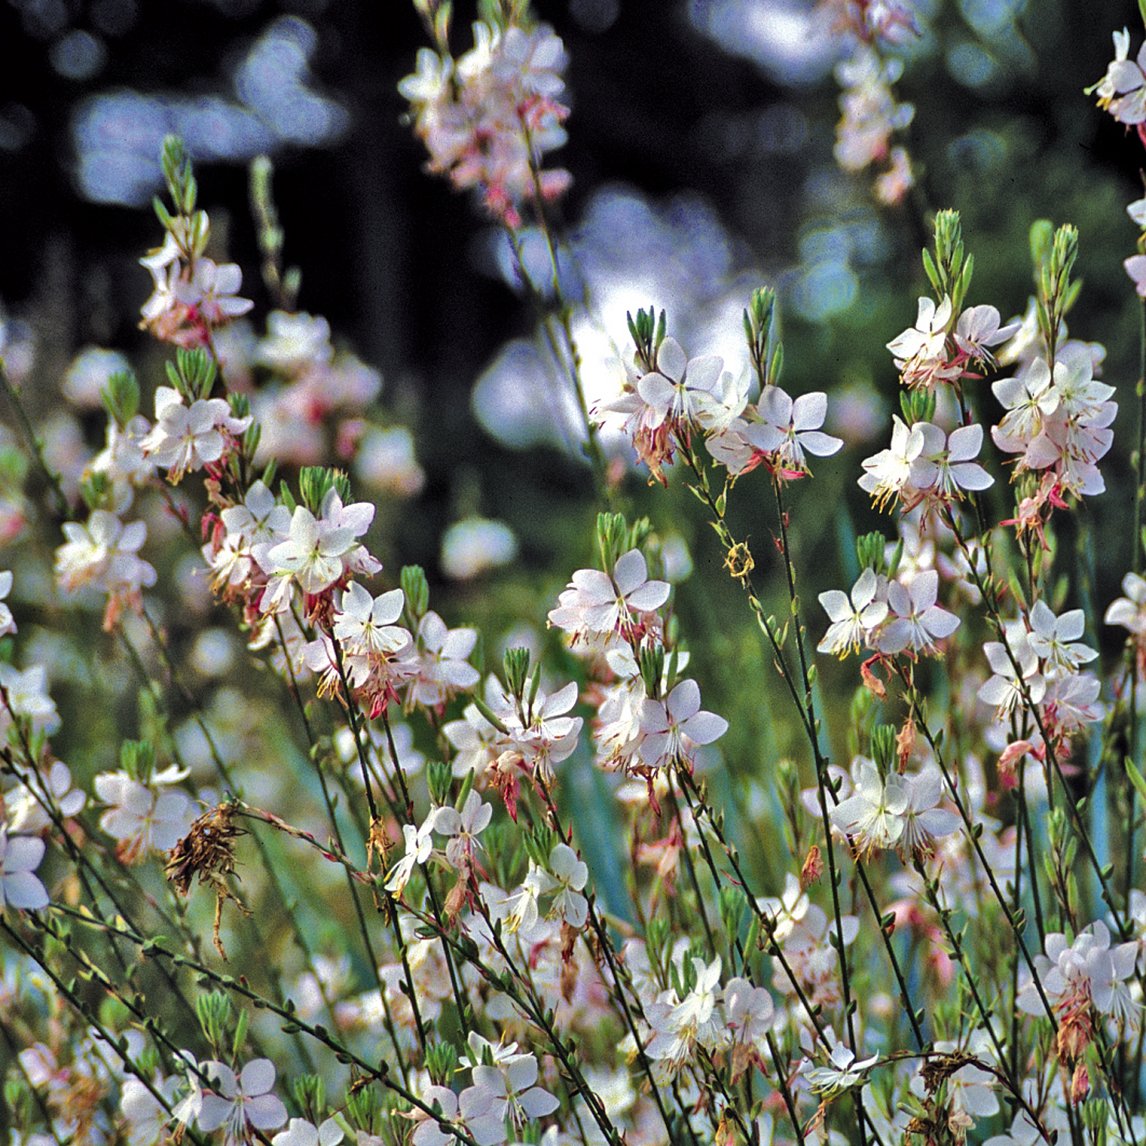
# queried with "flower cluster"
point(661, 408)
point(488, 118)
point(887, 616)
point(192, 295)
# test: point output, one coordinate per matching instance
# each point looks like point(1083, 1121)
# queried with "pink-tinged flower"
point(788, 428)
point(870, 112)
point(487, 120)
point(891, 186)
point(1136, 269)
point(853, 618)
point(239, 1105)
point(1071, 700)
point(19, 886)
point(1087, 971)
point(185, 438)
point(749, 1014)
point(443, 670)
point(595, 605)
point(916, 621)
point(7, 623)
point(676, 727)
point(143, 818)
point(978, 330)
point(212, 292)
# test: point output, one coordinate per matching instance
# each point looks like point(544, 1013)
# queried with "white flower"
point(674, 727)
point(463, 828)
point(295, 341)
point(419, 844)
point(874, 816)
point(853, 619)
point(241, 1104)
point(443, 670)
point(104, 553)
point(365, 624)
point(26, 695)
point(24, 804)
point(185, 438)
point(789, 428)
point(300, 1132)
point(978, 329)
point(212, 290)
point(1054, 638)
point(923, 821)
point(475, 1111)
point(946, 463)
point(570, 875)
point(888, 473)
point(694, 1020)
point(1129, 611)
point(319, 550)
point(843, 1073)
point(19, 858)
point(680, 390)
point(595, 603)
point(512, 1090)
point(917, 622)
point(1122, 91)
point(920, 352)
point(259, 519)
point(142, 819)
point(1005, 688)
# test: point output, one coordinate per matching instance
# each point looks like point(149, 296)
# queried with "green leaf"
point(1136, 777)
